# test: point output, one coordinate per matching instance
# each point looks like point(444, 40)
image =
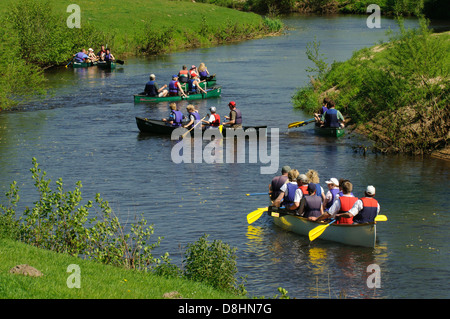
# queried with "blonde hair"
point(190, 108)
point(293, 174)
point(313, 176)
point(201, 67)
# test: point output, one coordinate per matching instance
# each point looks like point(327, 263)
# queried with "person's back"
point(276, 184)
point(331, 119)
point(368, 212)
point(150, 88)
point(173, 87)
point(313, 204)
point(80, 56)
point(183, 75)
point(177, 118)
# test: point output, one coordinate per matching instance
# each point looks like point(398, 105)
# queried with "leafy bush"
point(60, 223)
point(213, 263)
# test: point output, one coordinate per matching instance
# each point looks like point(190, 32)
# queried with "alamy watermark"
point(374, 279)
point(374, 20)
point(231, 149)
point(74, 279)
point(74, 20)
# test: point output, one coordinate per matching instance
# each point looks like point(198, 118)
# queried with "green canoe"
point(210, 93)
point(106, 65)
point(329, 131)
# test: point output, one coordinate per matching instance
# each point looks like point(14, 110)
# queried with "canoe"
point(83, 64)
point(329, 131)
point(355, 234)
point(152, 126)
point(210, 93)
point(106, 65)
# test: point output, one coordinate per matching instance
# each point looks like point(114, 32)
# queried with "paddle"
point(316, 232)
point(254, 194)
point(256, 214)
point(120, 62)
point(297, 124)
point(381, 218)
point(182, 136)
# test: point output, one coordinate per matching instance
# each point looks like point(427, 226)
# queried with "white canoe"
point(355, 234)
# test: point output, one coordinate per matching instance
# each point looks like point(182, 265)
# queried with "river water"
point(87, 131)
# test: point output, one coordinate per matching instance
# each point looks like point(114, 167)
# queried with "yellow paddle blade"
point(255, 215)
point(291, 125)
point(316, 232)
point(381, 218)
point(220, 128)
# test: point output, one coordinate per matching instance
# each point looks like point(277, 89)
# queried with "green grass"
point(127, 23)
point(98, 281)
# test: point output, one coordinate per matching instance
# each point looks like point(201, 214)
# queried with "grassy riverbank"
point(396, 93)
point(35, 34)
point(97, 281)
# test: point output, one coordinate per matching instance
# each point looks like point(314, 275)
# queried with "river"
point(87, 131)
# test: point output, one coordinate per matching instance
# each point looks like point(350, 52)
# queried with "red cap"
point(232, 103)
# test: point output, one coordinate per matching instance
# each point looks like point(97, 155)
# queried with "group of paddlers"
point(302, 195)
point(328, 115)
point(192, 78)
point(177, 118)
point(91, 57)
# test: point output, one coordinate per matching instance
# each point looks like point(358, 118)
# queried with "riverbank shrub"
point(213, 263)
point(396, 93)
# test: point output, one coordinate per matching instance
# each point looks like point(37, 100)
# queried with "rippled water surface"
point(87, 131)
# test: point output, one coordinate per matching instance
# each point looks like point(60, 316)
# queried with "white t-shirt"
point(298, 192)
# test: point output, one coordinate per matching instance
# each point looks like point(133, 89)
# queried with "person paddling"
point(175, 116)
point(194, 117)
point(235, 116)
point(175, 87)
point(153, 89)
point(214, 118)
point(81, 56)
point(332, 117)
point(277, 182)
point(311, 206)
point(290, 195)
point(366, 208)
point(341, 206)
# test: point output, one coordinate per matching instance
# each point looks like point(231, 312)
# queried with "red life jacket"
point(184, 73)
point(347, 203)
point(304, 189)
point(369, 211)
point(192, 73)
point(216, 121)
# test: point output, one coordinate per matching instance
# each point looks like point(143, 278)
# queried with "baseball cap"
point(212, 108)
point(333, 180)
point(303, 178)
point(232, 103)
point(370, 190)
